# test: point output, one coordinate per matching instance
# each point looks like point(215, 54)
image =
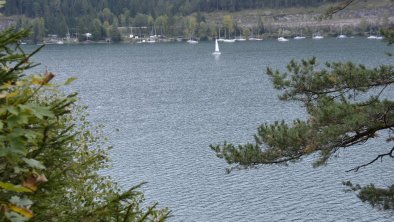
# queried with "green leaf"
point(12, 110)
point(3, 110)
point(3, 152)
point(15, 188)
point(70, 80)
point(34, 163)
point(41, 112)
point(17, 145)
point(12, 122)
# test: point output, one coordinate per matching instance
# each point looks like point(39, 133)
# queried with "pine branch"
point(390, 154)
point(341, 6)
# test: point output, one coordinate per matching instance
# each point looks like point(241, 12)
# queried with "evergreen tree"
point(115, 34)
point(38, 30)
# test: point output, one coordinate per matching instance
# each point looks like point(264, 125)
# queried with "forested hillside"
point(102, 17)
point(114, 19)
point(69, 8)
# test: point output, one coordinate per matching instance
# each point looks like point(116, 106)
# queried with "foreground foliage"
point(50, 154)
point(345, 108)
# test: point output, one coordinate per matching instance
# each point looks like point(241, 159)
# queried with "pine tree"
point(344, 107)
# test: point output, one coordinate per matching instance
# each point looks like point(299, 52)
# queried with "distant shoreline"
point(185, 41)
point(266, 23)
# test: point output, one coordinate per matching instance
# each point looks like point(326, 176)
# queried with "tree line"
point(72, 8)
point(103, 17)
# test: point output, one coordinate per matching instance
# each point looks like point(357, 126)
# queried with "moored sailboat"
point(282, 39)
point(299, 37)
point(341, 36)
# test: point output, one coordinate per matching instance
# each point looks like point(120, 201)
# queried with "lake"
point(164, 104)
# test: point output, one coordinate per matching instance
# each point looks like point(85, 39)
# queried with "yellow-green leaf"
point(15, 188)
point(70, 80)
point(22, 211)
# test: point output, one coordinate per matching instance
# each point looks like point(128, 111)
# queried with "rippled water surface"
point(170, 101)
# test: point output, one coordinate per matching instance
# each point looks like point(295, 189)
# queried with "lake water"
point(171, 101)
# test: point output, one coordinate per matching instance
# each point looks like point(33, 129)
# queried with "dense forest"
point(103, 18)
point(70, 8)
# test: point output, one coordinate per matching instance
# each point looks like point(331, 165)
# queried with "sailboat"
point(220, 39)
point(318, 37)
point(252, 38)
point(341, 36)
point(227, 40)
point(299, 37)
point(152, 38)
point(377, 37)
point(240, 38)
point(372, 37)
point(282, 39)
point(255, 39)
point(191, 41)
point(216, 52)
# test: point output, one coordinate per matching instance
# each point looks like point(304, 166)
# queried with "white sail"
point(216, 52)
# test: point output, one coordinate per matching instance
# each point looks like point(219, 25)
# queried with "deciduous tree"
point(50, 154)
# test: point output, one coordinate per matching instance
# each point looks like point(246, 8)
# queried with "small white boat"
point(216, 52)
point(341, 36)
point(60, 42)
point(299, 37)
point(255, 39)
point(240, 38)
point(379, 37)
point(317, 37)
point(372, 37)
point(220, 40)
point(229, 40)
point(282, 39)
point(190, 41)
